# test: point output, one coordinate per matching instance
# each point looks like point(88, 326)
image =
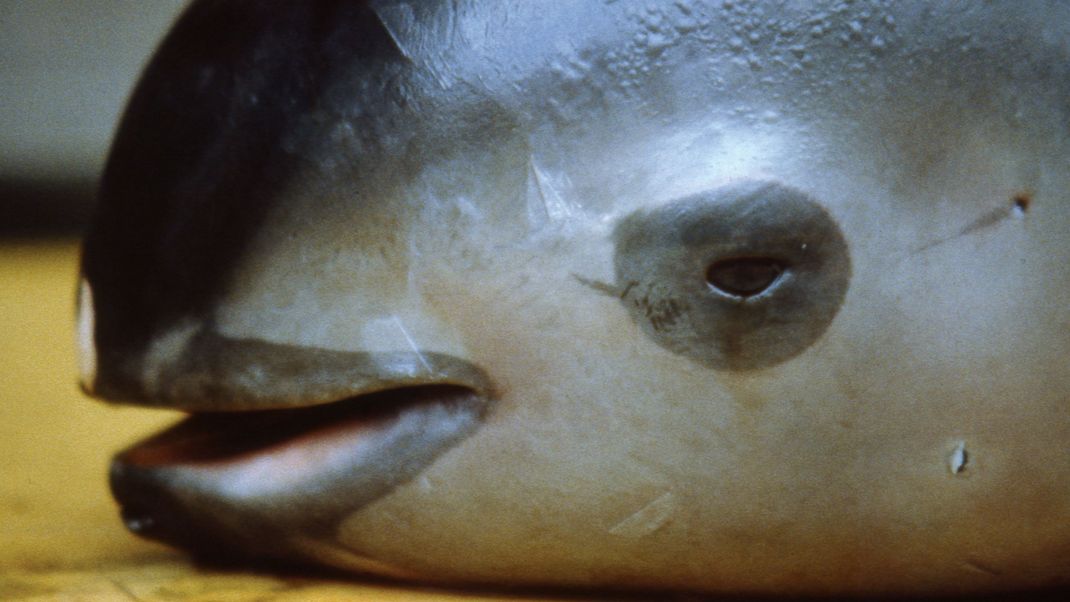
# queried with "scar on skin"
point(647, 519)
point(1018, 207)
point(958, 459)
point(412, 344)
point(393, 33)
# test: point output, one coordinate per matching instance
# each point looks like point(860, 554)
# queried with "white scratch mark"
point(958, 459)
point(647, 519)
point(412, 344)
point(545, 204)
point(398, 21)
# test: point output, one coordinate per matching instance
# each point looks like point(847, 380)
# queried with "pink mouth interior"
point(229, 438)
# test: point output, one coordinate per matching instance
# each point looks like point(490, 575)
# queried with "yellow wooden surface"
point(60, 536)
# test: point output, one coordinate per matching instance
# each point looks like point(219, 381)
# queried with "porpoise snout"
point(270, 476)
point(151, 509)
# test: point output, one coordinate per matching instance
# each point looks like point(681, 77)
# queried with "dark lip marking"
point(218, 373)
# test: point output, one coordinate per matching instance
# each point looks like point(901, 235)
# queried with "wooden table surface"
point(60, 534)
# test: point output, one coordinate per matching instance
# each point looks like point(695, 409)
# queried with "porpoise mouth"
point(262, 483)
point(223, 440)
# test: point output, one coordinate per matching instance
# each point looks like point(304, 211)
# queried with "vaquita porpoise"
point(751, 297)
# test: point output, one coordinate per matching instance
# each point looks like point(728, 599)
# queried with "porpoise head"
point(763, 297)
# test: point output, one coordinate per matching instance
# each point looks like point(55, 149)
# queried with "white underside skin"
point(919, 445)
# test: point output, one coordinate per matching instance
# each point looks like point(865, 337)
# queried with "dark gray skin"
point(692, 296)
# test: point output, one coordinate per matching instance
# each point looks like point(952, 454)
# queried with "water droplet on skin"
point(656, 42)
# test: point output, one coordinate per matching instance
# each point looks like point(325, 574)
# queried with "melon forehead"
point(641, 104)
point(484, 145)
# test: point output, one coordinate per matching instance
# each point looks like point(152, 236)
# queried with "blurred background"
point(66, 68)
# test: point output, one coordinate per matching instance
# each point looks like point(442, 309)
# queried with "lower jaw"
point(239, 484)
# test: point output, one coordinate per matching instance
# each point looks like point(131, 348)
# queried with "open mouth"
point(223, 482)
point(221, 439)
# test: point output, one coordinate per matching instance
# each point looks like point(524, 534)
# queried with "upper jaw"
point(194, 369)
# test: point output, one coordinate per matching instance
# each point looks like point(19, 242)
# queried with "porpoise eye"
point(742, 277)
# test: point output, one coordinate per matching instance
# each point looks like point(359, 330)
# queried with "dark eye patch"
point(742, 277)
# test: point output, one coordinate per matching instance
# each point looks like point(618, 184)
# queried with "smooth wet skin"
point(717, 297)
